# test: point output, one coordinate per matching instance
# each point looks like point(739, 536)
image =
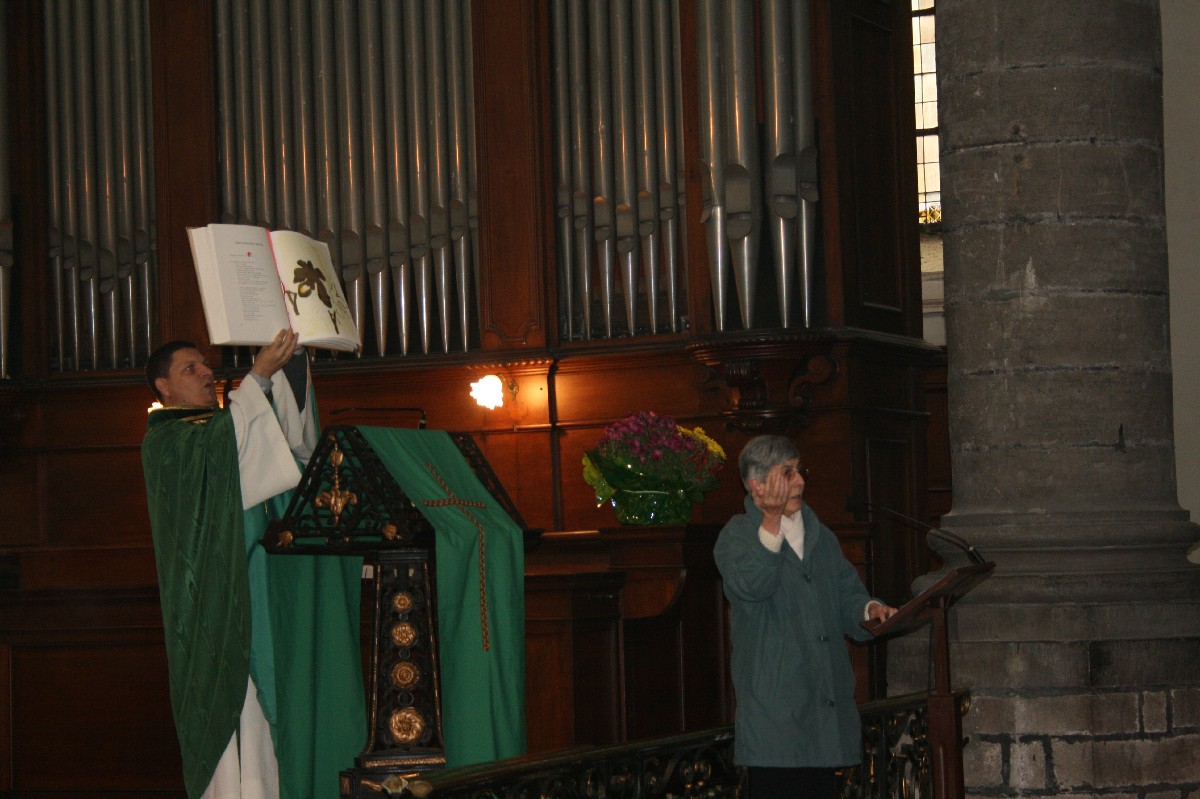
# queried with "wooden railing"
point(895, 765)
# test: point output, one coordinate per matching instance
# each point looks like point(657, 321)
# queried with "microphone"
point(856, 504)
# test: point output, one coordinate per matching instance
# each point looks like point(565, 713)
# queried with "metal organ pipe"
point(123, 175)
point(781, 184)
point(565, 241)
point(350, 130)
point(72, 296)
point(712, 152)
point(733, 165)
point(472, 176)
point(145, 253)
point(372, 104)
point(625, 159)
point(646, 157)
point(580, 176)
point(670, 194)
point(458, 157)
point(261, 131)
point(85, 180)
point(806, 148)
point(418, 174)
point(396, 143)
point(282, 115)
point(603, 201)
point(54, 193)
point(98, 179)
point(743, 185)
point(375, 172)
point(439, 180)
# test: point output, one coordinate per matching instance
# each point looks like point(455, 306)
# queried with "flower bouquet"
point(652, 469)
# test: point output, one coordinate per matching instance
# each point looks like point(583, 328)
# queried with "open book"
point(255, 282)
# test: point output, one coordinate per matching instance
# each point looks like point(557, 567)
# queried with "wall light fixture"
point(489, 390)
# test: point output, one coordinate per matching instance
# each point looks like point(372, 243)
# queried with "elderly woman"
point(794, 597)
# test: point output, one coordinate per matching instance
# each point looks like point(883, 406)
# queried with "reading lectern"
point(932, 607)
point(387, 494)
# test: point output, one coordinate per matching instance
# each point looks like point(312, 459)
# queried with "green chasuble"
point(480, 593)
point(231, 611)
point(194, 494)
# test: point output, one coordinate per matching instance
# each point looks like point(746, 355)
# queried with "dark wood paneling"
point(6, 725)
point(19, 482)
point(72, 566)
point(654, 666)
point(572, 650)
point(512, 122)
point(888, 485)
point(111, 698)
point(30, 344)
point(705, 634)
point(864, 96)
point(97, 500)
point(87, 693)
point(182, 40)
point(937, 402)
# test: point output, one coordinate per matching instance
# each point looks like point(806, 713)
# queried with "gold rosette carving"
point(405, 674)
point(404, 634)
point(406, 725)
point(402, 602)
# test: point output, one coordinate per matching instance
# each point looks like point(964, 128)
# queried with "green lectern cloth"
point(480, 593)
point(320, 723)
point(230, 610)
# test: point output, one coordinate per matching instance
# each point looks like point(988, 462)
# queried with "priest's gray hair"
point(761, 454)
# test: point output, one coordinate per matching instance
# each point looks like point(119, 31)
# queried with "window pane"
point(929, 181)
point(926, 24)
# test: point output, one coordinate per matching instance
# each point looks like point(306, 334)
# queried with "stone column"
point(1082, 649)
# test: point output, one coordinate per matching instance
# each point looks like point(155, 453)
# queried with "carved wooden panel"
point(97, 500)
point(185, 155)
point(937, 402)
point(511, 59)
point(572, 650)
point(863, 80)
point(86, 693)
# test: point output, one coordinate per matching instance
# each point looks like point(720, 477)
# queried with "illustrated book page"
point(254, 283)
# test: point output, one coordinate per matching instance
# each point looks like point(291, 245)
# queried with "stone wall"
point(1067, 717)
point(1083, 648)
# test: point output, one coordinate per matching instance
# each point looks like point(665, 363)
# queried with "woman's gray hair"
point(761, 454)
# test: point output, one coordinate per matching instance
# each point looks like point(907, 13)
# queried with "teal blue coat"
point(792, 677)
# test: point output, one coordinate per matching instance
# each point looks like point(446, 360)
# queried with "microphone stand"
point(854, 504)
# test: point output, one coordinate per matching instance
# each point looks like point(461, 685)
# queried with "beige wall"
point(1181, 123)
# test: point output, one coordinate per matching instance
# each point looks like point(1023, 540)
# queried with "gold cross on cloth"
point(463, 505)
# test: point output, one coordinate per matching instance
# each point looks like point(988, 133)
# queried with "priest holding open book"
point(253, 718)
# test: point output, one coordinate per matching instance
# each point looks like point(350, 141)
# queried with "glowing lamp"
point(488, 391)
